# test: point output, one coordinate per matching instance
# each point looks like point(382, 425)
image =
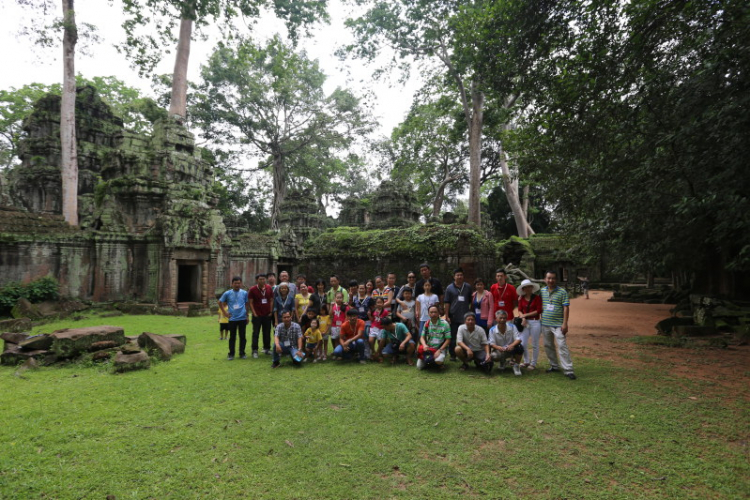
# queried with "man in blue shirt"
point(234, 304)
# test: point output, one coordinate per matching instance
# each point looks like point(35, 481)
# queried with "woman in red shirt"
point(530, 310)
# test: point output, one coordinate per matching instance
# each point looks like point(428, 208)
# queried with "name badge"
point(550, 307)
point(237, 307)
point(501, 303)
point(461, 298)
point(361, 309)
point(287, 343)
point(477, 311)
point(264, 301)
point(338, 323)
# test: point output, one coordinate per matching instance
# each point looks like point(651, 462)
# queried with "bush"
point(37, 291)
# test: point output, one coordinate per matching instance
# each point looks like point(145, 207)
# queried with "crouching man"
point(434, 342)
point(505, 342)
point(288, 339)
point(351, 338)
point(472, 345)
point(395, 340)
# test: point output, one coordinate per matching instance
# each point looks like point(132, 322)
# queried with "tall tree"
point(272, 98)
point(145, 46)
point(637, 126)
point(68, 148)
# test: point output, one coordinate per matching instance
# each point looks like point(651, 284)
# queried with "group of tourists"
point(421, 322)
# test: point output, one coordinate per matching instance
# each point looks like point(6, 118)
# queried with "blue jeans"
point(358, 345)
point(291, 351)
point(388, 350)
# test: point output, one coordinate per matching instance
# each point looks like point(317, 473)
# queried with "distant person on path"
point(395, 341)
point(261, 305)
point(288, 339)
point(234, 304)
point(505, 295)
point(530, 312)
point(471, 344)
point(584, 285)
point(434, 342)
point(505, 342)
point(555, 312)
point(350, 340)
point(457, 301)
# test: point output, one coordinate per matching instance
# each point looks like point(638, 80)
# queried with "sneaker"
point(531, 367)
point(551, 370)
point(517, 370)
point(420, 364)
point(267, 352)
point(362, 362)
point(571, 376)
point(315, 360)
point(463, 367)
point(230, 358)
point(255, 354)
point(275, 364)
point(243, 357)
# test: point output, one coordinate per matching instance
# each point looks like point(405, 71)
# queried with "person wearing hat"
point(529, 314)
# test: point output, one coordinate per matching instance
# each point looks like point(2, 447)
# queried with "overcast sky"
point(23, 64)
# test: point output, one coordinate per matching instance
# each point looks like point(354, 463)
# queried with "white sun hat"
point(526, 283)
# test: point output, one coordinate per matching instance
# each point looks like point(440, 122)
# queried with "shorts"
point(389, 349)
point(375, 332)
point(223, 327)
point(503, 355)
point(311, 346)
point(335, 332)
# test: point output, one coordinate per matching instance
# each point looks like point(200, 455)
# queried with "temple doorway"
point(189, 283)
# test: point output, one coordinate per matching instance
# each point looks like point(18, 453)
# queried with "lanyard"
point(262, 292)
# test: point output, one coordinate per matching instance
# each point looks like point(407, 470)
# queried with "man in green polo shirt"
point(335, 288)
point(555, 311)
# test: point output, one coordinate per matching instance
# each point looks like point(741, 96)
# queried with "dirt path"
point(601, 329)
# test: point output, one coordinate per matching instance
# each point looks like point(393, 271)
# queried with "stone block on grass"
point(15, 325)
point(70, 342)
point(14, 355)
point(130, 362)
point(161, 346)
point(177, 336)
point(14, 337)
point(102, 344)
point(37, 342)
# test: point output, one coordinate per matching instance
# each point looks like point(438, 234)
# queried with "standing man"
point(426, 272)
point(271, 280)
point(261, 304)
point(555, 311)
point(457, 303)
point(288, 340)
point(233, 304)
point(335, 288)
point(393, 289)
point(471, 343)
point(504, 294)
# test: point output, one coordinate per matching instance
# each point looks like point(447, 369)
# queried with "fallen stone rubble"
point(95, 343)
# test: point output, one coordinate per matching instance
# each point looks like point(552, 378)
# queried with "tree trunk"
point(178, 101)
point(279, 189)
point(526, 203)
point(68, 152)
point(437, 203)
point(511, 192)
point(475, 154)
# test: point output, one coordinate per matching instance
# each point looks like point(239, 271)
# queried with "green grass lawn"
point(202, 427)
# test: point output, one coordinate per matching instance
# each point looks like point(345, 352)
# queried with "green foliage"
point(270, 99)
point(637, 129)
point(614, 433)
point(501, 215)
point(422, 241)
point(46, 288)
point(151, 25)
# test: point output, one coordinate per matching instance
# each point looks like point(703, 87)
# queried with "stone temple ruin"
point(150, 234)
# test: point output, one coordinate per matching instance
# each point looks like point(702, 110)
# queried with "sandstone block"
point(131, 347)
point(72, 341)
point(25, 309)
point(178, 336)
point(14, 338)
point(160, 345)
point(15, 325)
point(102, 344)
point(129, 362)
point(101, 356)
point(14, 355)
point(37, 342)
